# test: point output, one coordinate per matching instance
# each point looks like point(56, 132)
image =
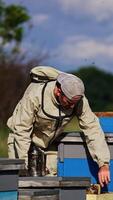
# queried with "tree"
point(98, 85)
point(14, 74)
point(13, 79)
point(12, 19)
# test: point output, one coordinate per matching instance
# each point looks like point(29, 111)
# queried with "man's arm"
point(21, 124)
point(95, 139)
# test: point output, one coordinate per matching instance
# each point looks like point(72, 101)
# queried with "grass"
point(72, 126)
point(3, 141)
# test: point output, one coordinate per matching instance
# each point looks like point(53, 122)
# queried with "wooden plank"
point(46, 198)
point(78, 182)
point(23, 197)
point(91, 197)
point(104, 114)
point(47, 182)
point(11, 164)
point(38, 182)
point(107, 196)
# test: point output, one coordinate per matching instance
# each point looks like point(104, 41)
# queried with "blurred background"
point(72, 36)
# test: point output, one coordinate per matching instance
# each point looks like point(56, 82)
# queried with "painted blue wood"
point(77, 167)
point(106, 124)
point(9, 195)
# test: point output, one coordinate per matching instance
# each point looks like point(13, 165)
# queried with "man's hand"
point(104, 175)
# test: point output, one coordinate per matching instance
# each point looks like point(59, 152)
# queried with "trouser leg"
point(11, 148)
point(51, 163)
point(36, 161)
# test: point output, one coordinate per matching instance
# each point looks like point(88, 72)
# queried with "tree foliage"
point(13, 72)
point(98, 85)
point(12, 19)
point(13, 82)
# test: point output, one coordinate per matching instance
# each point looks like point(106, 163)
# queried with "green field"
point(3, 141)
point(72, 126)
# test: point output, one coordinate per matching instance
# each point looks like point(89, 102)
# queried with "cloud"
point(100, 9)
point(40, 19)
point(81, 48)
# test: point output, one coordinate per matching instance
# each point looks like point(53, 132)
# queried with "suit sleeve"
point(21, 124)
point(95, 137)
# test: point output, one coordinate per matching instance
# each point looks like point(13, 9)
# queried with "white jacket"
point(29, 123)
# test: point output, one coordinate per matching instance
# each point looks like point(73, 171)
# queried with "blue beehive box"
point(74, 159)
point(106, 124)
point(106, 121)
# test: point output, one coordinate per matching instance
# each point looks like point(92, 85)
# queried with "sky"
point(75, 33)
